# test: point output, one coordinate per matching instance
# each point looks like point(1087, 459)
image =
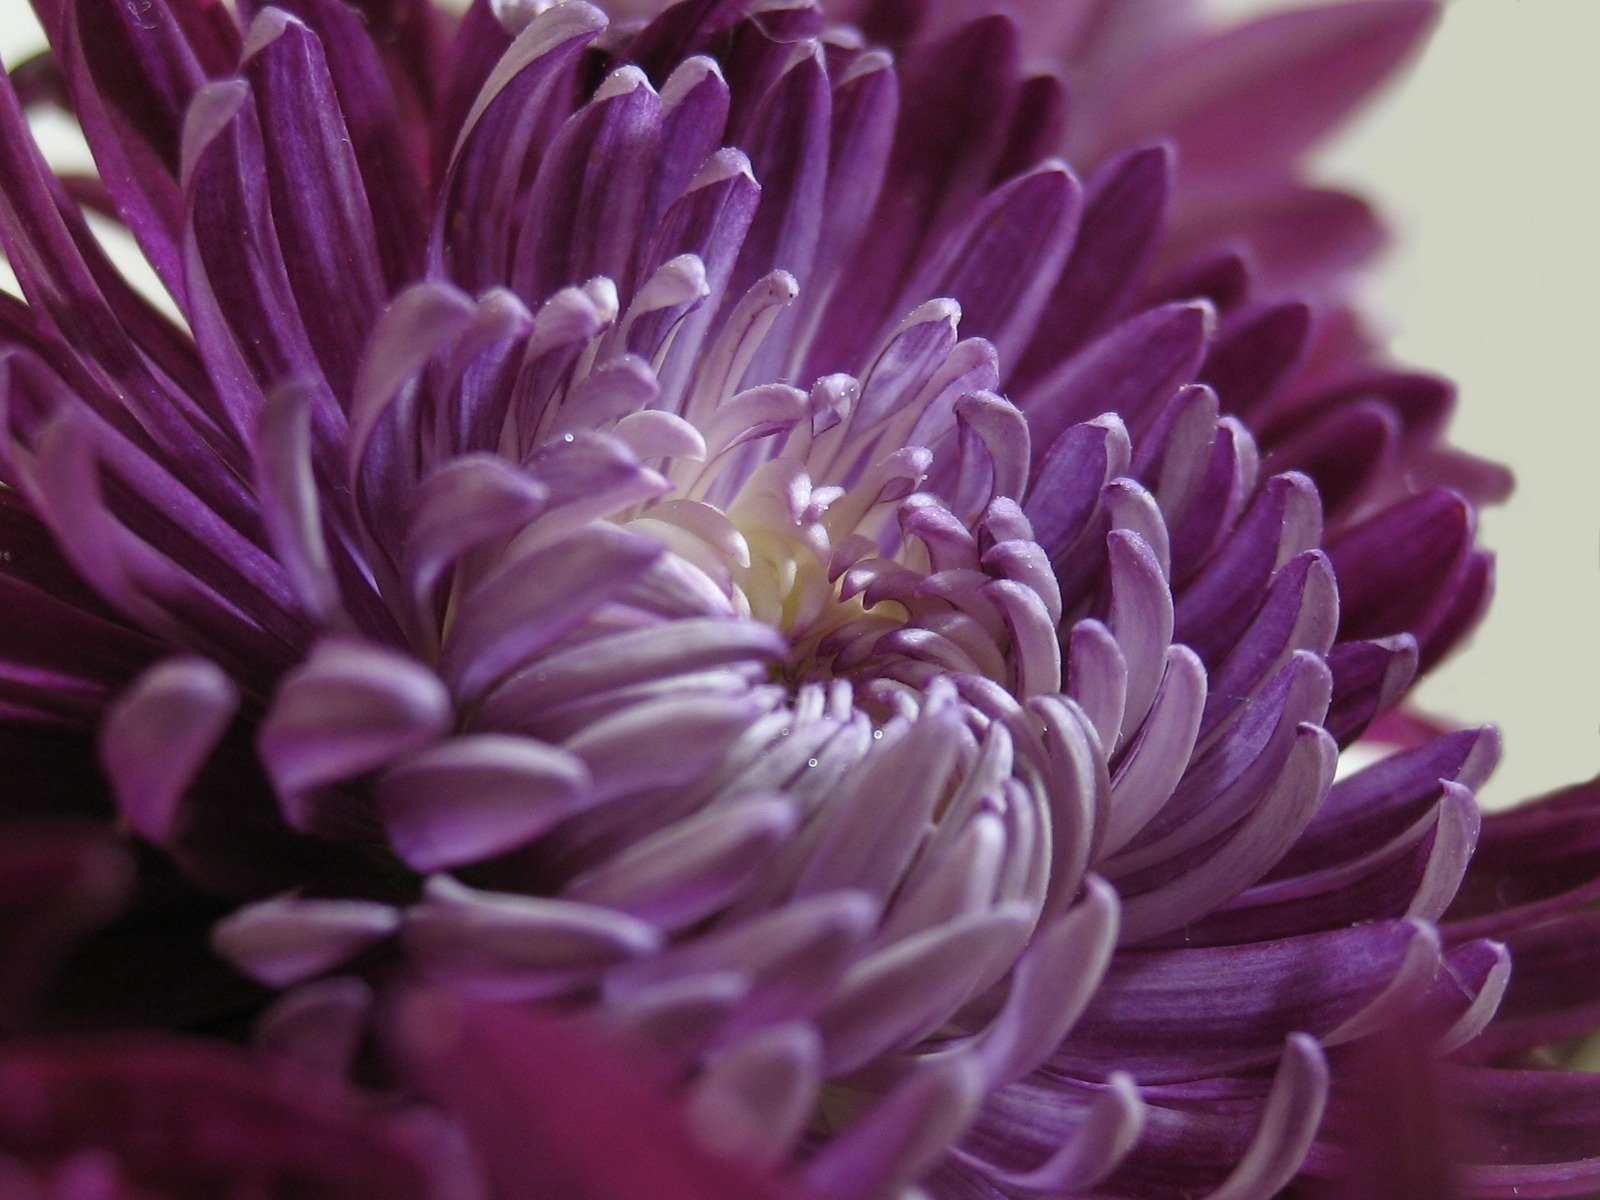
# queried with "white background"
point(1489, 161)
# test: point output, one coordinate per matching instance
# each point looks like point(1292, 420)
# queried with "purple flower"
point(143, 1116)
point(706, 526)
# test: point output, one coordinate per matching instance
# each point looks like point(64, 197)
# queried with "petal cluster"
point(709, 526)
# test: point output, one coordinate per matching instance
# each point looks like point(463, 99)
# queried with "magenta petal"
point(58, 881)
point(541, 1101)
point(188, 1117)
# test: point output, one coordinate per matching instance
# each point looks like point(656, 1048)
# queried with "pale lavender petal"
point(159, 735)
point(475, 797)
point(288, 939)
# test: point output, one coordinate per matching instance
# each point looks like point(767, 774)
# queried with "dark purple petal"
point(1203, 1012)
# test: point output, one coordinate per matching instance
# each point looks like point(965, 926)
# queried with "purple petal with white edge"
point(288, 939)
point(1467, 995)
point(1289, 1122)
point(900, 1136)
point(472, 226)
point(1155, 761)
point(465, 503)
point(591, 186)
point(1301, 612)
point(1079, 788)
point(604, 664)
point(1230, 777)
point(1378, 802)
point(66, 488)
point(866, 104)
point(1415, 874)
point(1214, 1128)
point(507, 947)
point(159, 734)
point(1220, 601)
point(157, 495)
point(1068, 480)
point(477, 796)
point(1129, 505)
point(1123, 211)
point(1141, 620)
point(1000, 263)
point(1107, 1130)
point(537, 598)
point(694, 113)
point(129, 81)
point(249, 326)
point(1551, 996)
point(1228, 865)
point(422, 321)
point(1023, 561)
point(1097, 677)
point(693, 869)
point(594, 475)
point(1368, 680)
point(665, 742)
point(793, 957)
point(753, 1100)
point(378, 133)
point(899, 995)
point(349, 709)
point(957, 874)
point(709, 220)
point(997, 427)
point(1035, 648)
point(73, 286)
point(912, 352)
point(1132, 370)
point(1213, 496)
point(290, 506)
point(318, 198)
point(941, 165)
point(788, 144)
point(867, 835)
point(1203, 1012)
point(1053, 982)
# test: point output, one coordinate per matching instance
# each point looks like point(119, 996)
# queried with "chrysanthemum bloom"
point(707, 527)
